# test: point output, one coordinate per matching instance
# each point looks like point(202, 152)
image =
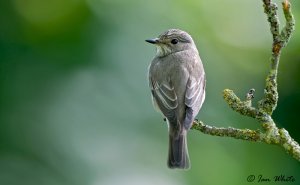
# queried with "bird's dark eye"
point(174, 41)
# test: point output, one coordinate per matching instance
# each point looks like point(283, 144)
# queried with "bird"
point(177, 82)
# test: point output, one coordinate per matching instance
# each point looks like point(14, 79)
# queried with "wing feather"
point(165, 97)
point(194, 98)
point(194, 91)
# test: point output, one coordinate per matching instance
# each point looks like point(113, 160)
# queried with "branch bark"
point(270, 134)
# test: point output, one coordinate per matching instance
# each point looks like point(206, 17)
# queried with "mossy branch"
point(270, 134)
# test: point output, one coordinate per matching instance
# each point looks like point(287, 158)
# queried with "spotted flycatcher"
point(177, 83)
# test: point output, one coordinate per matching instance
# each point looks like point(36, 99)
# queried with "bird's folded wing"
point(165, 97)
point(194, 98)
point(194, 90)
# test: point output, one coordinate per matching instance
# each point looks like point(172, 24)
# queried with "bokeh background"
point(75, 107)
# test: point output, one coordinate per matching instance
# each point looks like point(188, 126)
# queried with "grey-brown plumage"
point(177, 83)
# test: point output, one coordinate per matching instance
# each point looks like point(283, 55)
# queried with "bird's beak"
point(153, 41)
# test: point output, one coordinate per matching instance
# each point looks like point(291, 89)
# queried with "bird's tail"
point(178, 151)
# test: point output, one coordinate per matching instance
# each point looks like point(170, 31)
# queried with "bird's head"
point(172, 41)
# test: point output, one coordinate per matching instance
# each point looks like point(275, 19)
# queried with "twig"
point(271, 134)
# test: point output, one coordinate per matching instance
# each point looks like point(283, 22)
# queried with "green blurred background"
point(75, 108)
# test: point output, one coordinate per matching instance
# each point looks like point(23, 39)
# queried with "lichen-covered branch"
point(270, 134)
point(243, 134)
point(243, 107)
point(289, 27)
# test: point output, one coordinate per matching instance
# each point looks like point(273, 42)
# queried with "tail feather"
point(178, 151)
